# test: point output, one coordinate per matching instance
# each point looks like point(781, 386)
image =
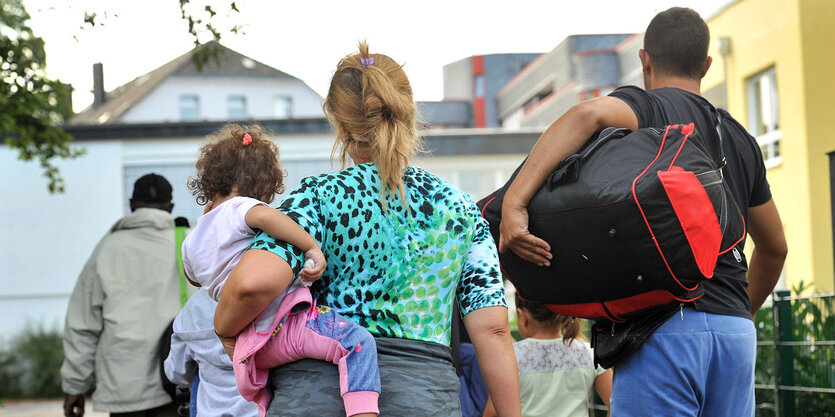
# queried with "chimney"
point(99, 96)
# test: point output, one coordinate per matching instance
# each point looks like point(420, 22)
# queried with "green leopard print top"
point(394, 273)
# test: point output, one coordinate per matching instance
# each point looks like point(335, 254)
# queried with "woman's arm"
point(259, 277)
point(490, 333)
point(282, 227)
point(603, 387)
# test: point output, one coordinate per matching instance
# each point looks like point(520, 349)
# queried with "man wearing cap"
point(125, 296)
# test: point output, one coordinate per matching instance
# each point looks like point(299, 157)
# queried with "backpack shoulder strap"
point(718, 116)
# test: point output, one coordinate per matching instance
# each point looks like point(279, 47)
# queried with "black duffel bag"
point(635, 220)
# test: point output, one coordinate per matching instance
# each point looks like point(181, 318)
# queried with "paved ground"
point(42, 408)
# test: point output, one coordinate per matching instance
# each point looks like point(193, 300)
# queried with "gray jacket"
point(195, 347)
point(126, 295)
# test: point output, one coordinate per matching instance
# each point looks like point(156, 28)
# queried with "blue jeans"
point(701, 365)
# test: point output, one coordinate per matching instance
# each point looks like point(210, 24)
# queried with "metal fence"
point(795, 374)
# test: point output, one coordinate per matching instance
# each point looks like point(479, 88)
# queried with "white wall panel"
point(163, 104)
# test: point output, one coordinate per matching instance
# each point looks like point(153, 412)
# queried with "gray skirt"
point(418, 380)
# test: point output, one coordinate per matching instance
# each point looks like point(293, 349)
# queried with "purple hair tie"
point(366, 61)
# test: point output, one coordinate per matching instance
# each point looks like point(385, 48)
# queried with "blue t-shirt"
point(395, 272)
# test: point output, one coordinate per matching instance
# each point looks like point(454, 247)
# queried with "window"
point(236, 107)
point(479, 87)
point(537, 98)
point(189, 108)
point(283, 107)
point(764, 115)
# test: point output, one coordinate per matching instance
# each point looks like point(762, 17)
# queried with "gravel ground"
point(42, 408)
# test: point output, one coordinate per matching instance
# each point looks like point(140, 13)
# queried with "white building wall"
point(458, 80)
point(477, 176)
point(301, 155)
point(46, 239)
point(163, 104)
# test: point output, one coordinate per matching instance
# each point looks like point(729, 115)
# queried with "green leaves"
point(202, 24)
point(31, 105)
point(813, 331)
point(31, 365)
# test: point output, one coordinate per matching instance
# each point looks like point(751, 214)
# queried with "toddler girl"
point(556, 367)
point(238, 173)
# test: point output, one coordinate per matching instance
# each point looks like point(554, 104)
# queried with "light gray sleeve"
point(82, 329)
point(180, 364)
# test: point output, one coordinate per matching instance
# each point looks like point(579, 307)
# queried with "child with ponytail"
point(556, 369)
point(238, 174)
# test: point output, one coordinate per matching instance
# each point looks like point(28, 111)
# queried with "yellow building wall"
point(817, 33)
point(766, 33)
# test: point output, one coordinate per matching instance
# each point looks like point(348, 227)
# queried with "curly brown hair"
point(226, 165)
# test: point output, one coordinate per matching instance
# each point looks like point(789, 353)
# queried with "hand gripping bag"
point(635, 220)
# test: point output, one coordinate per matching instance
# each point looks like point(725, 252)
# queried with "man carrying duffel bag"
point(695, 360)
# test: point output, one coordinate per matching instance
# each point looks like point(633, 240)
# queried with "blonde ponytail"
point(371, 107)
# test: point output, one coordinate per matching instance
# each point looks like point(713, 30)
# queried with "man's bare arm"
point(769, 253)
point(563, 138)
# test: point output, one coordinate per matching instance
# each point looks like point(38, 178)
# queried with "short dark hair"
point(677, 40)
point(151, 188)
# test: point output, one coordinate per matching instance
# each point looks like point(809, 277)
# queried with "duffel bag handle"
point(568, 169)
point(566, 172)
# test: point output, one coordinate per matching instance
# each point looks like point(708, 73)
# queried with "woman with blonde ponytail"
point(402, 246)
point(370, 105)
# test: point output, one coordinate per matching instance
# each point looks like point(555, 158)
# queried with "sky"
point(306, 38)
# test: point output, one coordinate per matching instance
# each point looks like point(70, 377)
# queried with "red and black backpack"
point(635, 220)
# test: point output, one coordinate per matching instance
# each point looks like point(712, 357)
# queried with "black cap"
point(152, 188)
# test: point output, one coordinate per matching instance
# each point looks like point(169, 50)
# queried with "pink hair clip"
point(247, 139)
